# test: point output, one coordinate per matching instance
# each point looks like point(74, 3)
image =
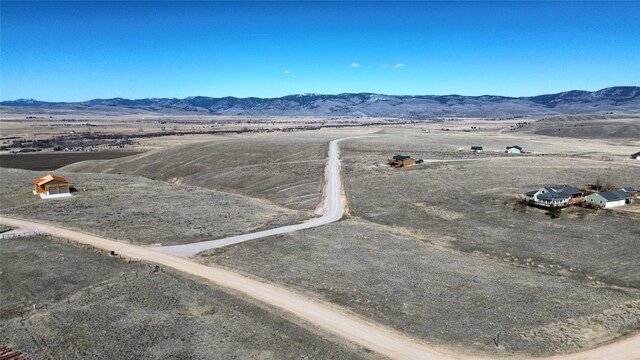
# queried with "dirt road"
point(324, 316)
point(333, 210)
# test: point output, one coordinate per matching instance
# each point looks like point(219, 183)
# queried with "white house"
point(555, 195)
point(609, 199)
point(515, 149)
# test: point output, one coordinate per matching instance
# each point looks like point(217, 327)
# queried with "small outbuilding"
point(399, 161)
point(630, 190)
point(515, 149)
point(476, 149)
point(609, 199)
point(636, 156)
point(51, 186)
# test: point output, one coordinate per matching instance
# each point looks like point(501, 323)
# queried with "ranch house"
point(402, 161)
point(51, 186)
point(555, 195)
point(609, 199)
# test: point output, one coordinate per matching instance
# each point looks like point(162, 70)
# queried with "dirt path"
point(324, 316)
point(332, 210)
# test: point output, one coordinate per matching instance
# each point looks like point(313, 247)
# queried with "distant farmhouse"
point(399, 161)
point(476, 149)
point(556, 195)
point(636, 156)
point(515, 149)
point(609, 199)
point(51, 186)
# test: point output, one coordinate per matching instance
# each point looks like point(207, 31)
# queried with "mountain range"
point(620, 99)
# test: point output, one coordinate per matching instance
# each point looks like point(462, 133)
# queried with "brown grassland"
point(437, 250)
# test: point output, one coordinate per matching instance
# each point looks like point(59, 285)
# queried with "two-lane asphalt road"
point(332, 210)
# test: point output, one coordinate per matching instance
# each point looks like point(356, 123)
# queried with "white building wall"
point(513, 151)
point(611, 204)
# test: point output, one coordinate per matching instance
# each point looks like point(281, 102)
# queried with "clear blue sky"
point(73, 51)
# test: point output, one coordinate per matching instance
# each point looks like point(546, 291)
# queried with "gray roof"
point(531, 193)
point(565, 189)
point(550, 195)
point(401, 157)
point(514, 146)
point(629, 189)
point(615, 195)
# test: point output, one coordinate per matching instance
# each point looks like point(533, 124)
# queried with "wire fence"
point(87, 293)
point(16, 233)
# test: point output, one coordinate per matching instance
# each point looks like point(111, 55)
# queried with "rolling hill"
point(621, 99)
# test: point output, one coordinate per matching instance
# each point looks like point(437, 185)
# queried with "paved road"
point(327, 317)
point(333, 210)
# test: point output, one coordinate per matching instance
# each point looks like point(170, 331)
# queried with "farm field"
point(437, 250)
point(142, 313)
point(52, 161)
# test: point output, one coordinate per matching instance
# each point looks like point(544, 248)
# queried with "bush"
point(555, 212)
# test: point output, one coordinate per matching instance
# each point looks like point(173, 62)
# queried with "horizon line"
point(309, 94)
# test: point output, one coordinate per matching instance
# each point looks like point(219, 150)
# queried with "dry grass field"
point(141, 315)
point(436, 250)
point(438, 294)
point(140, 210)
point(286, 170)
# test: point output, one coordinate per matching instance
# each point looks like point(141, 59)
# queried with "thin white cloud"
point(386, 66)
point(287, 72)
point(398, 65)
point(355, 65)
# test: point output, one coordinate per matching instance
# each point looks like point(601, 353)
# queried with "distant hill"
point(620, 99)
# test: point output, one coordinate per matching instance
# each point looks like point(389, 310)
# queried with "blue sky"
point(74, 51)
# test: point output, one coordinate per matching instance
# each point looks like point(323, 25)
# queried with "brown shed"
point(402, 161)
point(51, 185)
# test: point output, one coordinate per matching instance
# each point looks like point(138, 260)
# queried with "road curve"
point(327, 317)
point(332, 211)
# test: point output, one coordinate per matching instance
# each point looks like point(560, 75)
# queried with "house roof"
point(614, 195)
point(401, 157)
point(565, 189)
point(531, 193)
point(514, 146)
point(629, 189)
point(45, 179)
point(550, 195)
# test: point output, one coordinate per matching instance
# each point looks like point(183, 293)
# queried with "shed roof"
point(614, 195)
point(514, 146)
point(629, 189)
point(401, 157)
point(45, 179)
point(476, 148)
